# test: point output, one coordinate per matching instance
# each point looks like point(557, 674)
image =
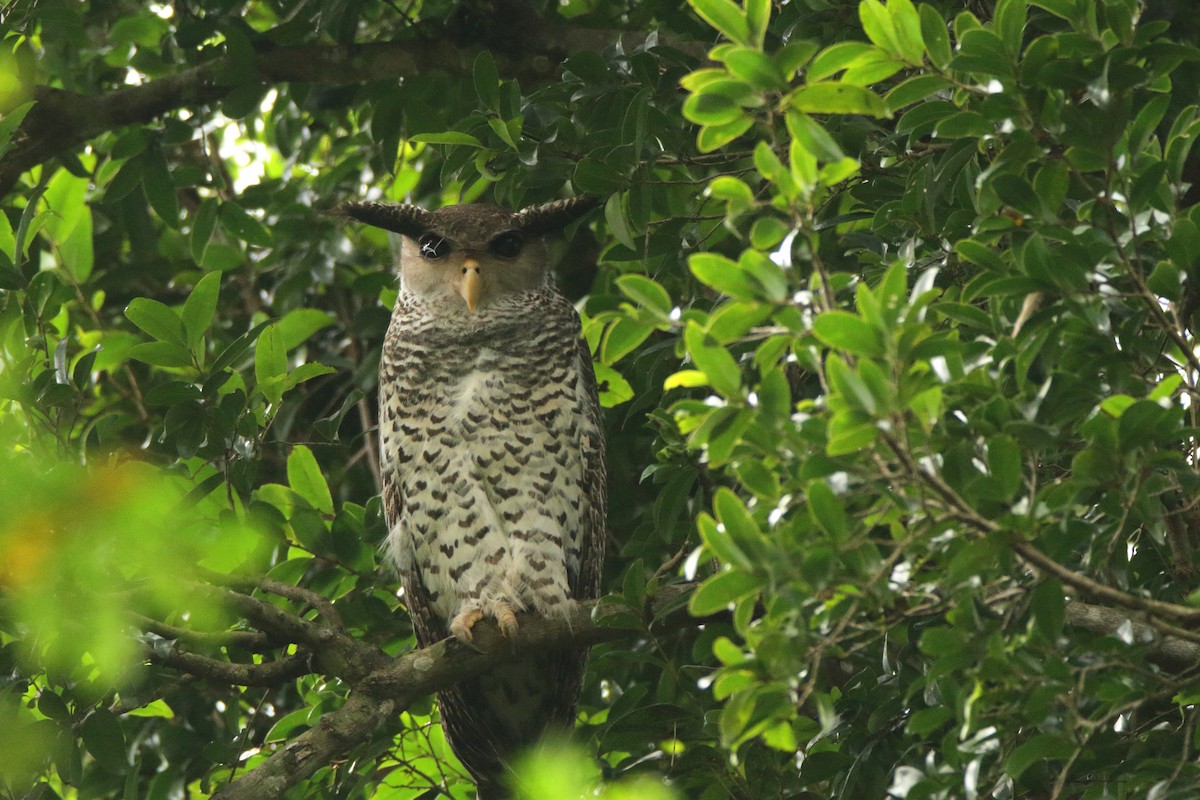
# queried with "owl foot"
point(460, 626)
point(506, 618)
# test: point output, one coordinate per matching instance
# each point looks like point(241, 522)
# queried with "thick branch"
point(62, 121)
point(1169, 652)
point(386, 692)
point(334, 652)
point(270, 673)
point(1099, 591)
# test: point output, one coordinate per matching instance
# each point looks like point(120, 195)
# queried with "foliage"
point(894, 312)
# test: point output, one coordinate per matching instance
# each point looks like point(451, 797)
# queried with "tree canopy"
point(893, 306)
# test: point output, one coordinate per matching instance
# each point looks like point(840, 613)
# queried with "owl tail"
point(491, 718)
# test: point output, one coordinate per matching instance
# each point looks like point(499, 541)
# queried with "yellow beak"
point(468, 287)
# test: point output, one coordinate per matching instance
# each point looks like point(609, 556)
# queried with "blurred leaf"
point(306, 480)
point(721, 591)
point(240, 224)
point(104, 739)
point(198, 310)
point(270, 361)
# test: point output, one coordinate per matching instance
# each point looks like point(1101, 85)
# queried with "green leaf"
point(159, 321)
point(980, 254)
point(239, 223)
point(1042, 747)
point(714, 360)
point(734, 320)
point(614, 217)
point(621, 338)
point(838, 98)
point(964, 124)
point(736, 520)
point(306, 480)
point(848, 332)
point(850, 432)
point(1059, 8)
point(813, 136)
point(837, 57)
point(914, 90)
point(733, 191)
point(9, 124)
point(685, 379)
point(722, 591)
point(720, 273)
point(65, 200)
point(982, 52)
point(826, 509)
point(202, 228)
point(879, 27)
point(199, 308)
point(270, 361)
point(155, 708)
point(1009, 23)
point(487, 79)
point(936, 36)
point(848, 385)
point(906, 26)
point(76, 252)
point(102, 736)
point(1004, 464)
point(755, 69)
point(448, 137)
point(1049, 609)
point(159, 187)
point(721, 543)
point(727, 18)
point(1018, 193)
point(711, 108)
point(614, 389)
point(647, 293)
point(509, 131)
point(306, 372)
point(758, 17)
point(162, 354)
point(769, 165)
point(301, 323)
point(772, 282)
point(714, 137)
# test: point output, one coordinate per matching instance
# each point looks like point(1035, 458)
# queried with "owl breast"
point(483, 443)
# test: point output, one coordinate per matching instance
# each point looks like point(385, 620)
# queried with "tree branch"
point(270, 673)
point(333, 651)
point(1169, 652)
point(387, 691)
point(62, 121)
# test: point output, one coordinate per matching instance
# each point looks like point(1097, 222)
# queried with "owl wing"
point(426, 625)
point(595, 483)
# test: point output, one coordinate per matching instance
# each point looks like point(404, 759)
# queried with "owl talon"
point(460, 626)
point(506, 618)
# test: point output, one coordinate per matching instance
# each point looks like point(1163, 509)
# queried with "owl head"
point(476, 253)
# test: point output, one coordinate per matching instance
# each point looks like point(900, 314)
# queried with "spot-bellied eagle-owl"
point(492, 454)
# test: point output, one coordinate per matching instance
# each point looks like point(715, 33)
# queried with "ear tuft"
point(402, 218)
point(552, 217)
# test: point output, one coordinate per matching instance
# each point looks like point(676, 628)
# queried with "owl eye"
point(507, 245)
point(433, 247)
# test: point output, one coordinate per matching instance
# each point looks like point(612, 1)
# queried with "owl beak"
point(469, 286)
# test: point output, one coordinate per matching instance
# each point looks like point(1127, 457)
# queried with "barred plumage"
point(493, 459)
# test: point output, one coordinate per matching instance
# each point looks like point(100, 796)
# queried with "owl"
point(492, 454)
